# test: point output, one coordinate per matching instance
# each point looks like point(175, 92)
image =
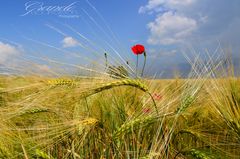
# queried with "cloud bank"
point(193, 22)
point(170, 28)
point(7, 51)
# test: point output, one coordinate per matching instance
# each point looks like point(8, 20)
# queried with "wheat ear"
point(126, 82)
point(127, 127)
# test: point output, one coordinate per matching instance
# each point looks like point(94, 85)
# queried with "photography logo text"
point(40, 8)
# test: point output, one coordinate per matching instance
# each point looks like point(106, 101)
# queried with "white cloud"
point(197, 24)
point(152, 4)
point(7, 50)
point(69, 42)
point(170, 28)
point(44, 68)
point(159, 5)
point(172, 3)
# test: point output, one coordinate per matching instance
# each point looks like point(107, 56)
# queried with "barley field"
point(72, 117)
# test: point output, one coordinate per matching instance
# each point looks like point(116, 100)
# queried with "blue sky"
point(78, 32)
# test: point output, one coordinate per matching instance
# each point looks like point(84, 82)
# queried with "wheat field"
point(68, 117)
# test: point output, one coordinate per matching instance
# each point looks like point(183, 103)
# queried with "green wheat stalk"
point(34, 111)
point(136, 123)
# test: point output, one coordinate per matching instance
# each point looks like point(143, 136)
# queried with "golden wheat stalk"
point(86, 123)
point(61, 82)
point(126, 82)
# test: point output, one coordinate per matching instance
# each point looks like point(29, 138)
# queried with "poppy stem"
point(106, 60)
point(145, 59)
point(154, 103)
point(137, 67)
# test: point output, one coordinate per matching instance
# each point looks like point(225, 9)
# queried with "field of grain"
point(106, 118)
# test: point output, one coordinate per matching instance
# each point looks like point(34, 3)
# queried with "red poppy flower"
point(146, 110)
point(138, 49)
point(157, 96)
